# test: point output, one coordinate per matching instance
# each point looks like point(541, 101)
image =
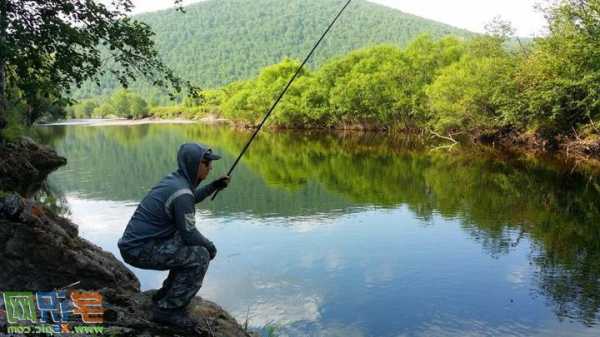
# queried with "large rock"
point(42, 251)
point(24, 165)
point(128, 316)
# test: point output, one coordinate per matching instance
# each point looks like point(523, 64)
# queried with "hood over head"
point(189, 157)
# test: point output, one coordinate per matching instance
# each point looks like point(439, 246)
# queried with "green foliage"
point(552, 86)
point(209, 104)
point(166, 112)
point(103, 110)
point(371, 90)
point(122, 103)
point(178, 111)
point(15, 127)
point(138, 108)
point(28, 104)
point(476, 91)
point(560, 78)
point(252, 98)
point(87, 109)
point(374, 86)
point(50, 46)
point(217, 42)
point(447, 83)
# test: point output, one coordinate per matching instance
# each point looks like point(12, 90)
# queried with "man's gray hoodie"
point(170, 205)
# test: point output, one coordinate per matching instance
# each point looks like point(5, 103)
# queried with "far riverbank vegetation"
point(451, 85)
point(488, 86)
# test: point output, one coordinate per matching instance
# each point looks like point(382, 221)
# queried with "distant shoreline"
point(131, 122)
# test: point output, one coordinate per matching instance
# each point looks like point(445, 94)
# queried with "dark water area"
point(360, 235)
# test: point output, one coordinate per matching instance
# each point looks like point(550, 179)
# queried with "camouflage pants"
point(187, 266)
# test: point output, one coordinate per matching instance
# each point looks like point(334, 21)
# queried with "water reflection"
point(362, 235)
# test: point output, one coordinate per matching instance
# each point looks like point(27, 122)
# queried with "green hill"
point(219, 41)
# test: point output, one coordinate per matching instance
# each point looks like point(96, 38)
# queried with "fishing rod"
point(283, 94)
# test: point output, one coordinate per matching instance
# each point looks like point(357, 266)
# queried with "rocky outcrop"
point(24, 165)
point(40, 250)
point(128, 317)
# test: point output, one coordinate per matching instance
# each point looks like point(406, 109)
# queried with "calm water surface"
point(333, 235)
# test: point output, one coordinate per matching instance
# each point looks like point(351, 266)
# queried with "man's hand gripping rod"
point(282, 94)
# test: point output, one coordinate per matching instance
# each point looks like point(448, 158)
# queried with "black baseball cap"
point(209, 155)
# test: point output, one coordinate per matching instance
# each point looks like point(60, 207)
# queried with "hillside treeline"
point(217, 42)
point(449, 85)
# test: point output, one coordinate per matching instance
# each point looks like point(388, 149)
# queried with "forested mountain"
point(219, 41)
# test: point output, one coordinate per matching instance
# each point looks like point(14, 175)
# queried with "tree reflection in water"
point(499, 200)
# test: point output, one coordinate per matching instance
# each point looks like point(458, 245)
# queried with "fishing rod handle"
point(217, 191)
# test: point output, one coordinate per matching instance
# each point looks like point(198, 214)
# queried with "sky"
point(469, 14)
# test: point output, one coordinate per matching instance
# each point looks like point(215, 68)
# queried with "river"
point(360, 235)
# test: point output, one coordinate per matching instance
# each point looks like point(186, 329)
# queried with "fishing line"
point(282, 94)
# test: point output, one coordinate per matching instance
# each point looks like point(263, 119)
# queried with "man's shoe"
point(158, 295)
point(174, 317)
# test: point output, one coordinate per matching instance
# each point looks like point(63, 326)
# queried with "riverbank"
point(120, 122)
point(575, 150)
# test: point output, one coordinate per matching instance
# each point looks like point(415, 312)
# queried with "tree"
point(374, 89)
point(138, 107)
point(88, 108)
point(103, 110)
point(500, 28)
point(479, 90)
point(62, 43)
point(252, 98)
point(560, 78)
point(121, 103)
point(473, 93)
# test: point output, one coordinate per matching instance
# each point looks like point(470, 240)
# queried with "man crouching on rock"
point(162, 234)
